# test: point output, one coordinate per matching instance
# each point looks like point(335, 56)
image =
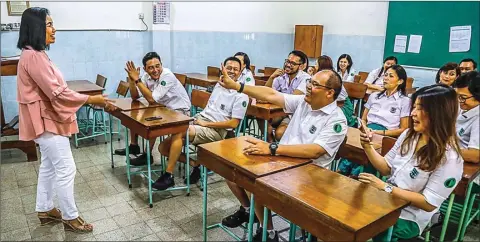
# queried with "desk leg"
point(252, 217)
point(111, 138)
point(204, 171)
point(447, 217)
point(293, 232)
point(265, 131)
point(265, 224)
point(468, 204)
point(389, 233)
point(149, 167)
point(309, 238)
point(127, 155)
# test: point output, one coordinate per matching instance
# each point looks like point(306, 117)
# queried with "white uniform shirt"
point(435, 186)
point(348, 77)
point(284, 85)
point(225, 104)
point(246, 77)
point(468, 131)
point(167, 90)
point(373, 77)
point(326, 127)
point(341, 97)
point(387, 111)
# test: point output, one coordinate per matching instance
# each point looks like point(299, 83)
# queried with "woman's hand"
point(372, 180)
point(100, 100)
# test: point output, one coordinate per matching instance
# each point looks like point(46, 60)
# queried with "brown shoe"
point(77, 225)
point(51, 216)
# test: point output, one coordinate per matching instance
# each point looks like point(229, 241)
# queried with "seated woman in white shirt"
point(344, 68)
point(386, 113)
point(246, 75)
point(375, 78)
point(424, 166)
point(448, 73)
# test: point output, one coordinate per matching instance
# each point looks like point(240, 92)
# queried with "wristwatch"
point(388, 188)
point(273, 148)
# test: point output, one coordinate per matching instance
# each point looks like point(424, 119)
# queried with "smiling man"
point(157, 85)
point(316, 131)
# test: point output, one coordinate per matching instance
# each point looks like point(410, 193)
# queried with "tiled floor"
point(117, 212)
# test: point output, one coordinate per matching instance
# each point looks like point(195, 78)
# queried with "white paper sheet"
point(460, 37)
point(415, 43)
point(400, 44)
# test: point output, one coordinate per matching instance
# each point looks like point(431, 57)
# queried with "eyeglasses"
point(229, 68)
point(462, 99)
point(316, 85)
point(287, 61)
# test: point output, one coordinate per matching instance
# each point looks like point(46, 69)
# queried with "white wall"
point(349, 18)
point(91, 15)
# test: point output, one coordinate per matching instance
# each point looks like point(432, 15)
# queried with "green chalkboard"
point(432, 20)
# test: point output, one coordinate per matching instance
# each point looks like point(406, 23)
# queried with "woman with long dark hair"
point(246, 75)
point(375, 78)
point(424, 166)
point(47, 110)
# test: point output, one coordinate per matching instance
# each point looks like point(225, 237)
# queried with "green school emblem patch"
point(244, 103)
point(248, 79)
point(337, 128)
point(163, 83)
point(414, 173)
point(462, 131)
point(450, 182)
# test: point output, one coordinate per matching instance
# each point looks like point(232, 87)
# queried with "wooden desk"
point(353, 150)
point(470, 172)
point(85, 87)
point(330, 206)
point(227, 159)
point(202, 80)
point(265, 111)
point(261, 76)
point(9, 66)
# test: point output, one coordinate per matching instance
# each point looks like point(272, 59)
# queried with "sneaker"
point(133, 150)
point(141, 160)
point(194, 175)
point(238, 218)
point(258, 236)
point(164, 182)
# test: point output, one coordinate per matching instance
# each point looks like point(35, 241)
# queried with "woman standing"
point(47, 115)
point(424, 166)
point(344, 68)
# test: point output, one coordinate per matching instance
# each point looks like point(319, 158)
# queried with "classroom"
point(240, 121)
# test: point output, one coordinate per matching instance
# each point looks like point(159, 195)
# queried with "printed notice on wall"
point(400, 44)
point(460, 37)
point(415, 43)
point(161, 13)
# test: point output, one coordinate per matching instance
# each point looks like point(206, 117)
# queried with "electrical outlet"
point(140, 16)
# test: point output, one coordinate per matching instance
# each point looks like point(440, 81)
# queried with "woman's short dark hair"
point(246, 59)
point(149, 56)
point(324, 62)
point(33, 29)
point(349, 59)
point(471, 80)
point(448, 67)
point(402, 74)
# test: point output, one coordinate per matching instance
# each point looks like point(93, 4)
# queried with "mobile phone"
point(153, 118)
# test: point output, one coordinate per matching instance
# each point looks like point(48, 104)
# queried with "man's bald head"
point(333, 80)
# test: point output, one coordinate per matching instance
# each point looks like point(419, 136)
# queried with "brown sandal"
point(77, 225)
point(54, 215)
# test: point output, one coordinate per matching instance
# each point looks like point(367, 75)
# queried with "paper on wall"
point(460, 37)
point(415, 43)
point(400, 44)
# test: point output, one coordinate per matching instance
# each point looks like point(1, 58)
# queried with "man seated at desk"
point(316, 131)
point(286, 80)
point(225, 109)
point(158, 85)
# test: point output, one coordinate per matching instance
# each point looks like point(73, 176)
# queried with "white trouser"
point(57, 168)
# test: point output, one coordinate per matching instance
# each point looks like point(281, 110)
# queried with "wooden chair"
point(363, 76)
point(182, 78)
point(387, 144)
point(122, 89)
point(357, 78)
point(8, 129)
point(356, 91)
point(100, 122)
point(101, 80)
point(410, 82)
point(252, 68)
point(213, 71)
point(268, 71)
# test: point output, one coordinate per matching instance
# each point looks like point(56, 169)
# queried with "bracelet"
point(241, 87)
